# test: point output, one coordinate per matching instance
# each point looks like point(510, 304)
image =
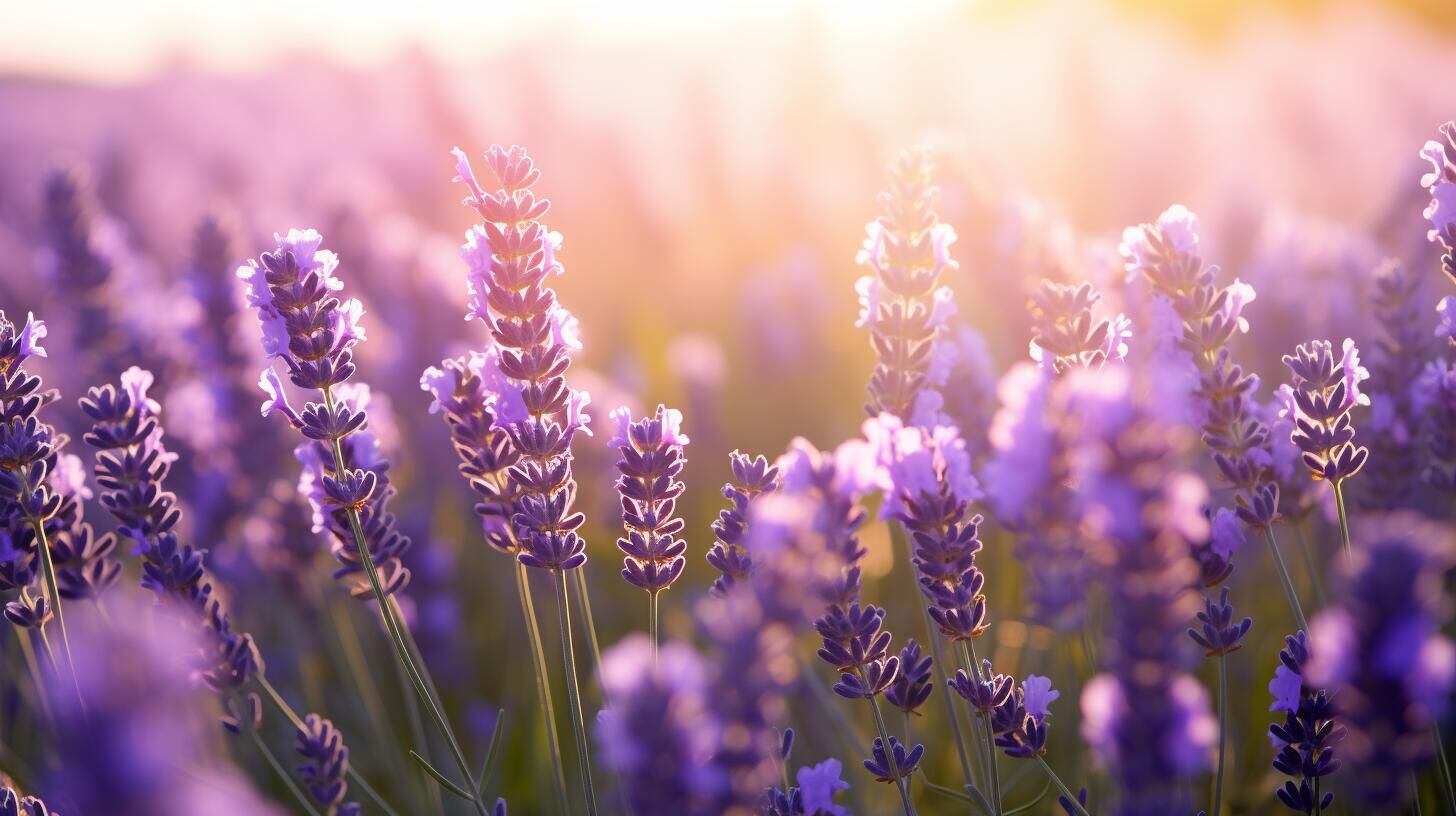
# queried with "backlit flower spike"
point(650, 461)
point(912, 687)
point(1066, 333)
point(902, 301)
point(1166, 253)
point(132, 464)
point(1320, 396)
point(1304, 743)
point(1381, 651)
point(752, 477)
point(510, 255)
point(295, 291)
point(1441, 212)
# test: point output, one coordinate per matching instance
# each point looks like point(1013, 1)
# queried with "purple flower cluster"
point(650, 461)
point(14, 804)
point(42, 492)
point(752, 477)
point(1441, 212)
point(1145, 717)
point(1396, 362)
point(1066, 334)
point(1319, 400)
point(1166, 254)
point(325, 763)
point(1306, 740)
point(314, 333)
point(131, 469)
point(510, 255)
point(1381, 650)
point(1435, 398)
point(1017, 714)
point(903, 302)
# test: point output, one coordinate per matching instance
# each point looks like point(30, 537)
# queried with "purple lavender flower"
point(325, 764)
point(895, 764)
point(1065, 334)
point(1167, 255)
point(913, 685)
point(14, 804)
point(1396, 361)
point(661, 730)
point(314, 333)
point(1441, 212)
point(1434, 396)
point(1020, 722)
point(1217, 632)
point(650, 461)
point(1319, 398)
point(74, 261)
point(752, 477)
point(510, 255)
point(1381, 651)
point(131, 469)
point(902, 302)
point(1144, 716)
point(1305, 741)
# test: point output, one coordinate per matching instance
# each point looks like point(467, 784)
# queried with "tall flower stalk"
point(1305, 742)
point(752, 477)
point(314, 333)
point(510, 255)
point(1319, 400)
point(650, 461)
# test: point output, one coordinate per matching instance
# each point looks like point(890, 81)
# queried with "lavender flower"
point(131, 468)
point(1167, 255)
point(510, 256)
point(13, 804)
point(325, 764)
point(1217, 633)
point(650, 461)
point(314, 334)
point(902, 302)
point(1382, 652)
point(1144, 716)
point(752, 477)
point(1441, 212)
point(1066, 335)
point(895, 764)
point(73, 259)
point(912, 686)
point(1435, 397)
point(1319, 399)
point(1021, 721)
point(1306, 740)
point(1396, 361)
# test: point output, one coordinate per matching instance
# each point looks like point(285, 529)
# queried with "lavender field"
point(993, 408)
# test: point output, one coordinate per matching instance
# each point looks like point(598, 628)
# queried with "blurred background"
point(711, 172)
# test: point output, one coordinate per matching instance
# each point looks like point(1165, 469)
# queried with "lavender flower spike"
point(752, 477)
point(1441, 212)
point(326, 763)
point(1065, 334)
point(1305, 741)
point(1319, 400)
point(650, 461)
point(13, 804)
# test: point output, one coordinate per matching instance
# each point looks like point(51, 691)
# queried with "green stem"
point(277, 767)
point(1222, 734)
point(37, 679)
point(1448, 787)
point(363, 681)
point(395, 626)
point(986, 729)
point(1062, 786)
point(292, 716)
point(573, 693)
point(652, 626)
point(53, 592)
point(937, 650)
point(890, 755)
point(1289, 593)
point(591, 630)
point(1344, 519)
point(543, 687)
point(1309, 565)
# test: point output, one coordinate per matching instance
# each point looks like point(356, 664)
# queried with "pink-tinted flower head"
point(30, 336)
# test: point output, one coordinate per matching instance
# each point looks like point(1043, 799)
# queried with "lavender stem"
point(1222, 734)
point(1062, 786)
point(543, 690)
point(278, 768)
point(28, 649)
point(1309, 565)
point(652, 628)
point(573, 693)
point(591, 630)
point(969, 655)
point(53, 593)
point(1445, 765)
point(900, 784)
point(1284, 579)
point(1344, 519)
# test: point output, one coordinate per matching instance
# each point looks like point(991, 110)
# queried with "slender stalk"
point(52, 591)
point(652, 625)
point(394, 626)
point(1222, 734)
point(986, 730)
point(277, 767)
point(900, 785)
point(353, 649)
point(543, 688)
point(1344, 519)
point(783, 765)
point(937, 651)
point(573, 693)
point(591, 630)
point(1309, 565)
point(1062, 786)
point(1445, 764)
point(292, 716)
point(430, 792)
point(36, 678)
point(1289, 593)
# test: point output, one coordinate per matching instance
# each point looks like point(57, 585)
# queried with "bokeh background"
point(711, 171)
